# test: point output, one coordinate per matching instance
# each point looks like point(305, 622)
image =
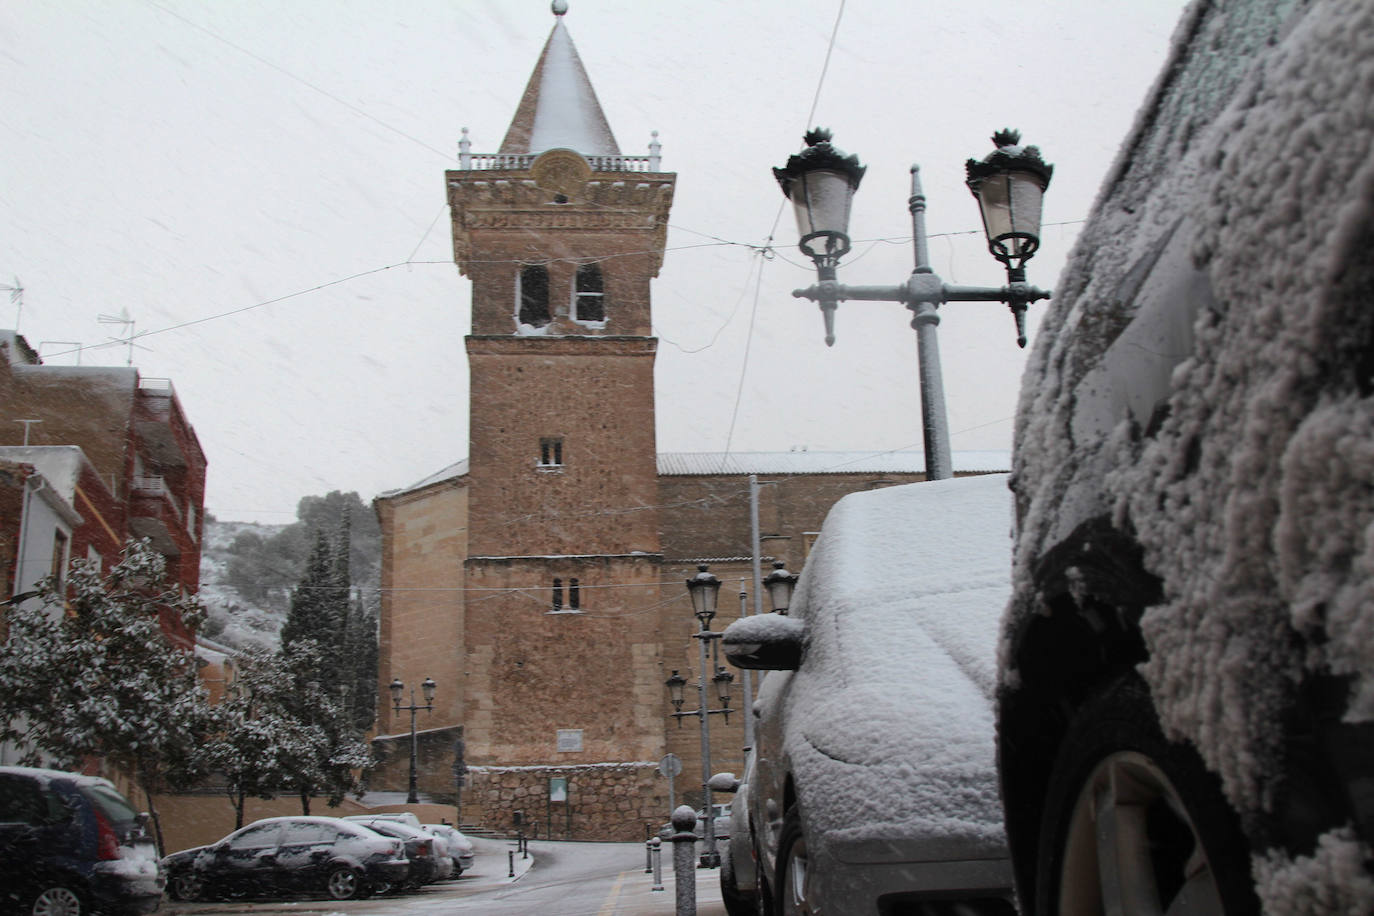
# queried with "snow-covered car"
point(283, 855)
point(71, 843)
point(459, 847)
point(739, 887)
point(1186, 711)
point(428, 854)
point(874, 781)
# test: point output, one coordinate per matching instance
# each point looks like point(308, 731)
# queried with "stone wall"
point(609, 801)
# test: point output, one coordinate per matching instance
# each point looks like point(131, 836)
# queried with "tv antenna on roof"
point(128, 337)
point(17, 297)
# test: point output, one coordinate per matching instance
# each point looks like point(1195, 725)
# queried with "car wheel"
point(185, 886)
point(57, 900)
point(793, 887)
point(344, 883)
point(1135, 824)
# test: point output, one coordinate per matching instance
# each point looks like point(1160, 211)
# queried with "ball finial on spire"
point(559, 7)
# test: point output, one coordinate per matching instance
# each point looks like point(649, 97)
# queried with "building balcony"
point(155, 514)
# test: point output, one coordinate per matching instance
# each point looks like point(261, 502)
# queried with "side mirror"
point(723, 782)
point(768, 642)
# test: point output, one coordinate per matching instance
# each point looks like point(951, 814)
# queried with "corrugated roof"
point(674, 464)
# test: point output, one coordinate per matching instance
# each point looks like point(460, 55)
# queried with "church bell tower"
point(561, 235)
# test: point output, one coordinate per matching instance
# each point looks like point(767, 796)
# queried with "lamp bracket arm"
point(830, 291)
point(1012, 294)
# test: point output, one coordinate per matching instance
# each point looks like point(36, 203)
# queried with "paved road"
point(559, 879)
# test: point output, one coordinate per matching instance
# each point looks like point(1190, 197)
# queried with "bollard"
point(656, 853)
point(511, 856)
point(648, 856)
point(684, 855)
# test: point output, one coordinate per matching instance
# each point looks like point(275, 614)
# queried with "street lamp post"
point(704, 589)
point(1009, 185)
point(397, 690)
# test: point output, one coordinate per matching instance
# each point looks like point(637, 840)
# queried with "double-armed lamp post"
point(397, 691)
point(1009, 185)
point(704, 590)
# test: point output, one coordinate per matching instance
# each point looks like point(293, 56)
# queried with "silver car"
point(874, 783)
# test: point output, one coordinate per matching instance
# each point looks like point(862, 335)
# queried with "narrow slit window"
point(591, 294)
point(558, 594)
point(551, 453)
point(574, 596)
point(534, 295)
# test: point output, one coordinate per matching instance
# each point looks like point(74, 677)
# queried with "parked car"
point(459, 847)
point(874, 783)
point(429, 859)
point(720, 821)
point(72, 844)
point(282, 855)
point(1187, 711)
point(739, 880)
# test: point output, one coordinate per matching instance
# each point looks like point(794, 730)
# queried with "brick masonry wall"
point(596, 395)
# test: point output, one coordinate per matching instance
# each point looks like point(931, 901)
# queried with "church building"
point(541, 582)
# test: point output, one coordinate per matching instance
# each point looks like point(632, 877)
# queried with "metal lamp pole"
point(397, 689)
point(1009, 185)
point(704, 588)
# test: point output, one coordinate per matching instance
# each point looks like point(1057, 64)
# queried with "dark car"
point(283, 855)
point(1186, 704)
point(427, 864)
point(71, 844)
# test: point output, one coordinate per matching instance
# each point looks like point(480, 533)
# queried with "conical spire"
point(559, 108)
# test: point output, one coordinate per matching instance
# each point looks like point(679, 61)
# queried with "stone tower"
point(560, 235)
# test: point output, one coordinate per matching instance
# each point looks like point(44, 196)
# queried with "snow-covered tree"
point(327, 755)
point(89, 671)
point(255, 731)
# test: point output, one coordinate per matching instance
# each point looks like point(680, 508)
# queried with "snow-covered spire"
point(559, 108)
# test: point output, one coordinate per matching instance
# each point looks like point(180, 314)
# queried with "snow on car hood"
point(890, 725)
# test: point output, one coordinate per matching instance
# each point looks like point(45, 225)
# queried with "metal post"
point(413, 796)
point(510, 857)
point(709, 858)
point(746, 681)
point(684, 877)
point(925, 319)
point(648, 853)
point(656, 853)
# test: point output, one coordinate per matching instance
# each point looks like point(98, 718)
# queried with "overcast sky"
point(259, 186)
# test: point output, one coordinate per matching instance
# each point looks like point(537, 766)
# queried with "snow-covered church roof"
point(559, 109)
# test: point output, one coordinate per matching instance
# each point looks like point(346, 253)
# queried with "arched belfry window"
point(590, 304)
point(534, 295)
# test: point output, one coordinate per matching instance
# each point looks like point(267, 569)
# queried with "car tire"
point(344, 883)
point(792, 892)
point(1118, 786)
point(57, 899)
point(186, 886)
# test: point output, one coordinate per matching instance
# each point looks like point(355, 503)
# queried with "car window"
point(113, 805)
point(306, 833)
point(21, 801)
point(256, 836)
